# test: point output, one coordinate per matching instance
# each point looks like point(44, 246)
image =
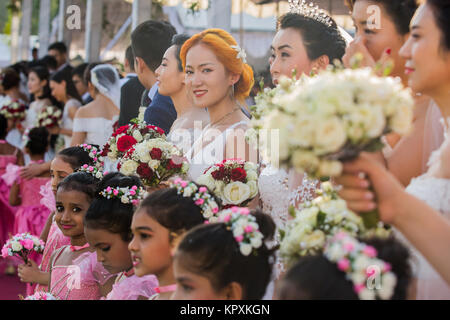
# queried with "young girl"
point(226, 260)
point(64, 164)
point(31, 215)
point(157, 226)
point(350, 270)
point(8, 155)
point(107, 228)
point(74, 275)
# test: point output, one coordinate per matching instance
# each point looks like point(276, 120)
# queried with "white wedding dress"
point(433, 189)
point(98, 130)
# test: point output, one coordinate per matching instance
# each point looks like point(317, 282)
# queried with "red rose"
point(219, 174)
point(119, 165)
point(125, 142)
point(238, 174)
point(105, 150)
point(122, 129)
point(144, 171)
point(172, 165)
point(156, 153)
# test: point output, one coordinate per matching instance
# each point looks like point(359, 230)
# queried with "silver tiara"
point(311, 11)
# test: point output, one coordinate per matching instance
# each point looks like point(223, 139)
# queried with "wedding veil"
point(106, 79)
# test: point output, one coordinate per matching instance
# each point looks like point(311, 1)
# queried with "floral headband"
point(360, 263)
point(244, 227)
point(96, 172)
point(126, 195)
point(94, 154)
point(241, 53)
point(200, 196)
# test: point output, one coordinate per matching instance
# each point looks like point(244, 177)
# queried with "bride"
point(219, 79)
point(427, 54)
point(93, 123)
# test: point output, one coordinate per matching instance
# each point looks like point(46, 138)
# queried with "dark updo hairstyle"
point(441, 12)
point(9, 79)
point(38, 141)
point(212, 251)
point(400, 12)
point(316, 278)
point(112, 214)
point(3, 127)
point(318, 38)
point(80, 181)
point(76, 157)
point(66, 75)
point(49, 62)
point(173, 211)
point(43, 74)
point(178, 40)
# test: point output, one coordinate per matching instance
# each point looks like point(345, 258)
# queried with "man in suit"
point(149, 41)
point(131, 91)
point(80, 84)
point(58, 50)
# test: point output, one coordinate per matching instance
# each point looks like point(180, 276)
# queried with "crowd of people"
point(130, 239)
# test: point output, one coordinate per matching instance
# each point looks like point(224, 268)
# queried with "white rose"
point(236, 193)
point(330, 168)
point(256, 242)
point(309, 215)
point(330, 135)
point(302, 133)
point(98, 175)
point(362, 262)
point(366, 294)
point(250, 166)
point(153, 164)
point(16, 246)
point(315, 239)
point(137, 135)
point(218, 188)
point(252, 175)
point(129, 167)
point(124, 199)
point(142, 152)
point(238, 231)
point(401, 122)
point(245, 248)
point(206, 180)
point(305, 161)
point(253, 188)
point(358, 278)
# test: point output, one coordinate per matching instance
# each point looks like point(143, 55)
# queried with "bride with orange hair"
point(219, 79)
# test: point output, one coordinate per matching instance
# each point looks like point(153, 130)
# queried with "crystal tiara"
point(311, 11)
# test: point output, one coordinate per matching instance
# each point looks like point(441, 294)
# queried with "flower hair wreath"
point(94, 154)
point(360, 263)
point(126, 195)
point(244, 227)
point(200, 196)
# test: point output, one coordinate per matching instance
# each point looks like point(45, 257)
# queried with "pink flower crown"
point(371, 277)
point(94, 154)
point(200, 196)
point(244, 227)
point(126, 195)
point(96, 172)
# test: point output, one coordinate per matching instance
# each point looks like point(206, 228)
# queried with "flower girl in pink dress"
point(64, 164)
point(107, 228)
point(74, 272)
point(8, 155)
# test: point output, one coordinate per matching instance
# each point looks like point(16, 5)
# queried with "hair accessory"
point(371, 276)
point(94, 154)
point(200, 196)
point(244, 227)
point(311, 11)
point(96, 172)
point(126, 195)
point(241, 53)
point(26, 137)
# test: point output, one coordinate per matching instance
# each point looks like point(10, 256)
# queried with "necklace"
point(229, 113)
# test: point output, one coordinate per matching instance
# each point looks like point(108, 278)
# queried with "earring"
point(232, 91)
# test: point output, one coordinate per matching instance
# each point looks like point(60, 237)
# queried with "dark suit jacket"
point(161, 112)
point(130, 100)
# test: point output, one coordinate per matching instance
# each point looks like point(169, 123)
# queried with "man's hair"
point(150, 40)
point(129, 56)
point(58, 46)
point(79, 71)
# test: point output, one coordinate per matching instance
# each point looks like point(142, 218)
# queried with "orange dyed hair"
point(220, 42)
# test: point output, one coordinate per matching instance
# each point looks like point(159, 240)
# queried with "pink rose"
point(199, 202)
point(358, 288)
point(348, 247)
point(239, 238)
point(343, 264)
point(202, 189)
point(4, 252)
point(116, 192)
point(27, 244)
point(370, 251)
point(248, 229)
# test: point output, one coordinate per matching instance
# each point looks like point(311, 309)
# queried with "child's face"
point(191, 286)
point(150, 247)
point(59, 169)
point(112, 251)
point(71, 206)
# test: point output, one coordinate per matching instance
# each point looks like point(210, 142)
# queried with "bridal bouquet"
point(21, 245)
point(234, 181)
point(49, 117)
point(14, 110)
point(127, 136)
point(323, 217)
point(331, 118)
point(154, 161)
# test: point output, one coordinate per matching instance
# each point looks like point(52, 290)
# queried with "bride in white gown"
point(218, 79)
point(93, 123)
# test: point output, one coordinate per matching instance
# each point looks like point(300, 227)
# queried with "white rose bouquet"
point(325, 216)
point(49, 117)
point(127, 136)
point(331, 118)
point(234, 181)
point(154, 161)
point(14, 110)
point(21, 245)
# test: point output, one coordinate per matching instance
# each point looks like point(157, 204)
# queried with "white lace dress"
point(435, 191)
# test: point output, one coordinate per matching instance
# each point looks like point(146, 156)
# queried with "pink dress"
point(79, 281)
point(131, 287)
point(7, 212)
point(55, 239)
